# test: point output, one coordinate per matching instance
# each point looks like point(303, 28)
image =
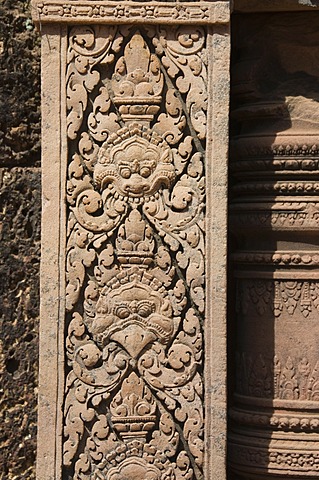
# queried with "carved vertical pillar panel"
point(274, 218)
point(135, 112)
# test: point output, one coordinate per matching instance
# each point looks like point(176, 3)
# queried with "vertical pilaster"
point(216, 255)
point(133, 296)
point(52, 257)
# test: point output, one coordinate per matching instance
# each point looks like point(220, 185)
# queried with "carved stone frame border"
point(54, 160)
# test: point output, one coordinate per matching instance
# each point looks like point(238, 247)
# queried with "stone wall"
point(20, 238)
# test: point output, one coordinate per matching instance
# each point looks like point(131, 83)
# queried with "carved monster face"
point(136, 167)
point(133, 315)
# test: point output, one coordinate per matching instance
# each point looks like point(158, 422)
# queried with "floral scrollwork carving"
point(136, 249)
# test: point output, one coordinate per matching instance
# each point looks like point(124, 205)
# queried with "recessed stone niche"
point(133, 276)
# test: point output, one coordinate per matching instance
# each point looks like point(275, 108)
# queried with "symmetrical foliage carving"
point(135, 252)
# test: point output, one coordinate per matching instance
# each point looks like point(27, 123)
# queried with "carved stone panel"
point(137, 148)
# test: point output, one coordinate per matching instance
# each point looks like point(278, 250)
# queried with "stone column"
point(274, 216)
point(133, 339)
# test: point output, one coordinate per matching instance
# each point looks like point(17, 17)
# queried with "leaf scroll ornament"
point(183, 56)
point(179, 219)
point(88, 46)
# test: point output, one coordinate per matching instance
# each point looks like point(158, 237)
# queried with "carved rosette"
point(274, 219)
point(135, 260)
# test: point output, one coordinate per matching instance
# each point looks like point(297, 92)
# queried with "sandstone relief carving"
point(136, 100)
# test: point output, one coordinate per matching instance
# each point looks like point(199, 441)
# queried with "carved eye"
point(145, 308)
point(145, 172)
point(122, 311)
point(125, 172)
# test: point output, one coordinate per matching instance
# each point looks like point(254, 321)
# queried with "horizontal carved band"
point(302, 258)
point(132, 12)
point(285, 275)
point(288, 166)
point(278, 296)
point(293, 421)
point(285, 188)
point(289, 215)
point(287, 146)
point(267, 460)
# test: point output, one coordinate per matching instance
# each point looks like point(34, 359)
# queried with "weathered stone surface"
point(19, 86)
point(19, 309)
point(276, 258)
point(20, 237)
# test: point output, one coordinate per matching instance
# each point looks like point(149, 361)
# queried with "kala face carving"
point(136, 162)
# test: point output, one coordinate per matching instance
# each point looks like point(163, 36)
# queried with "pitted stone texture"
point(19, 302)
point(19, 86)
point(19, 234)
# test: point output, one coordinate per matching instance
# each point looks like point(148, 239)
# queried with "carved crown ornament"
point(136, 100)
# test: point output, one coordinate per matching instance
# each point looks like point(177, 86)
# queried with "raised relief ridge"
point(135, 261)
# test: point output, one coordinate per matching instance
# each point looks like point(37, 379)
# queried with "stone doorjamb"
point(55, 20)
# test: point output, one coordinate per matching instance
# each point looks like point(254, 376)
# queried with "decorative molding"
point(289, 215)
point(139, 93)
point(274, 219)
point(288, 166)
point(285, 459)
point(246, 147)
point(130, 12)
point(285, 420)
point(283, 188)
point(280, 258)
